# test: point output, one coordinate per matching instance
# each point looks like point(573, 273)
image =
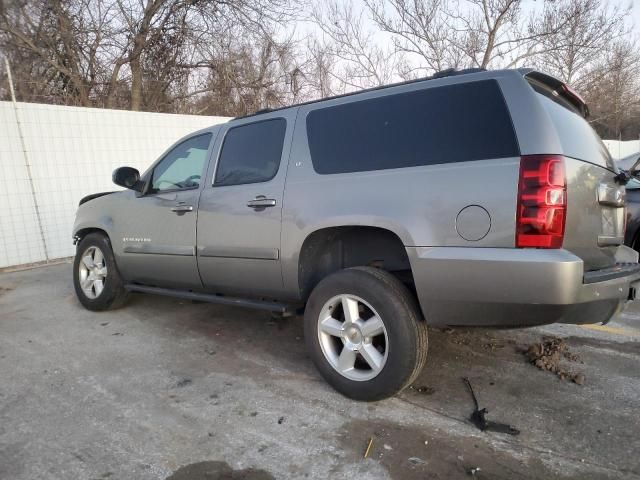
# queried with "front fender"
point(94, 215)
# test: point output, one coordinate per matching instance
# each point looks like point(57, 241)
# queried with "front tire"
point(96, 279)
point(364, 333)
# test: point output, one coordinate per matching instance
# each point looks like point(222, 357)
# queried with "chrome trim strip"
point(148, 249)
point(240, 252)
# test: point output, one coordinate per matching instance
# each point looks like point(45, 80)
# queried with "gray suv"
point(469, 198)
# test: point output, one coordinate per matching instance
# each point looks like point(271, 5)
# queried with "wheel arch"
point(83, 232)
point(331, 248)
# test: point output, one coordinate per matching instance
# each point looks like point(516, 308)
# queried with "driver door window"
point(182, 168)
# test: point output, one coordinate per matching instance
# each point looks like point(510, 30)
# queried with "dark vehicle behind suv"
point(632, 233)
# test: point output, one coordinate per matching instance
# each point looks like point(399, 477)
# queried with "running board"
point(283, 308)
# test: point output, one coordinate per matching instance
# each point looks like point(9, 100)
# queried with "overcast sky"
point(635, 4)
point(636, 14)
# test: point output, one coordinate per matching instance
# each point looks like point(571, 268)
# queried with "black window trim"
point(224, 139)
point(148, 191)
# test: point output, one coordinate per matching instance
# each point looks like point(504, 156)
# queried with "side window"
point(251, 153)
point(182, 167)
point(454, 123)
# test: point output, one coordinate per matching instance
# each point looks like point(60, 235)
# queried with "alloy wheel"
point(92, 272)
point(353, 337)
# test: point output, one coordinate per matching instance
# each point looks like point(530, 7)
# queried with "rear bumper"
point(515, 287)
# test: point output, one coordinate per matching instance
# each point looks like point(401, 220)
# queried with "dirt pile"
point(548, 354)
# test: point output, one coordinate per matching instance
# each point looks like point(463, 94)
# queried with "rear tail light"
point(542, 202)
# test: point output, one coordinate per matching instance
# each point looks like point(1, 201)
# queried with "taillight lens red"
point(542, 202)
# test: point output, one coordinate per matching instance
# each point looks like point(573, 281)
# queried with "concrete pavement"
point(170, 389)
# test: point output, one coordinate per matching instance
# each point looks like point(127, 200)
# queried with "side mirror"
point(127, 177)
point(624, 176)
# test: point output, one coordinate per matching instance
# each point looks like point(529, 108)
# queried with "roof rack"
point(450, 72)
point(263, 110)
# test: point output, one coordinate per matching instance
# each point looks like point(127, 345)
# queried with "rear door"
point(240, 213)
point(595, 202)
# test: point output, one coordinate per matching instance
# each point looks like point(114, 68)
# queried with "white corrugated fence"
point(71, 152)
point(622, 149)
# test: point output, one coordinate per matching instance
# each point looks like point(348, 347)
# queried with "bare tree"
point(441, 34)
point(596, 53)
point(362, 62)
point(613, 92)
point(57, 40)
point(590, 30)
point(319, 69)
point(418, 28)
point(124, 53)
point(246, 76)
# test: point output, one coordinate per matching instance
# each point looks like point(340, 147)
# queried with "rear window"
point(455, 123)
point(578, 139)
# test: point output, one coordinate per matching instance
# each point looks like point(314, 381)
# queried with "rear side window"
point(454, 123)
point(251, 153)
point(578, 139)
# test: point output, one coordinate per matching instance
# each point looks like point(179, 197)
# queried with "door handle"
point(261, 202)
point(182, 208)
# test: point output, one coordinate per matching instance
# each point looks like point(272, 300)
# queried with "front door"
point(158, 228)
point(241, 208)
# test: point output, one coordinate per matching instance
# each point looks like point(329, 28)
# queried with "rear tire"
point(96, 279)
point(379, 346)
